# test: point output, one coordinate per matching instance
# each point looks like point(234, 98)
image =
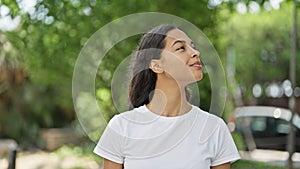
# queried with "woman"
point(162, 130)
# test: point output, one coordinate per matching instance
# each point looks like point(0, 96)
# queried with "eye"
point(192, 45)
point(180, 48)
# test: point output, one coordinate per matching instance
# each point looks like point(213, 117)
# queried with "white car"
point(264, 127)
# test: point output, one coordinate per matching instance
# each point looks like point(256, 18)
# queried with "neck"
point(169, 99)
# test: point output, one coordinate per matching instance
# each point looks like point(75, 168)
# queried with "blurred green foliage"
point(46, 45)
point(239, 141)
point(244, 164)
point(77, 151)
point(37, 59)
point(261, 46)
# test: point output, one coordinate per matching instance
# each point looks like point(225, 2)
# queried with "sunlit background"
point(40, 41)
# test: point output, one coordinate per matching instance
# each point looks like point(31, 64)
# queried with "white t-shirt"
point(142, 139)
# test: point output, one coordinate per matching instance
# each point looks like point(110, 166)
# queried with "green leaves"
point(261, 44)
point(50, 37)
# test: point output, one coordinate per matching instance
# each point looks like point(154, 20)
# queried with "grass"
point(243, 164)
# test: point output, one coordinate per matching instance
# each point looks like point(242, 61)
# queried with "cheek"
point(176, 67)
point(172, 61)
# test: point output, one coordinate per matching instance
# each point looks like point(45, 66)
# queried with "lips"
point(197, 64)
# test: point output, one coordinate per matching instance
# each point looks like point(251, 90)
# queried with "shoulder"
point(121, 121)
point(210, 125)
point(210, 119)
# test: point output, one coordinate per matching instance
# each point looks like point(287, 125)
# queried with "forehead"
point(176, 34)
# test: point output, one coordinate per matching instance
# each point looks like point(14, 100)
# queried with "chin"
point(190, 79)
point(195, 79)
point(198, 77)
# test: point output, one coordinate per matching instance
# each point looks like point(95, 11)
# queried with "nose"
point(194, 53)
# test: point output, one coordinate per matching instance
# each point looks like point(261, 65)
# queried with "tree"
point(261, 44)
point(48, 41)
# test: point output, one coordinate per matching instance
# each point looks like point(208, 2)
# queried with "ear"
point(155, 66)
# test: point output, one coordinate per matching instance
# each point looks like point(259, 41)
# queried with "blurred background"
point(40, 41)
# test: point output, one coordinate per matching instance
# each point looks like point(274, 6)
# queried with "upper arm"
point(107, 164)
point(222, 166)
point(110, 145)
point(225, 149)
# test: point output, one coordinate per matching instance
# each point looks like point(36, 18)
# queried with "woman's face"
point(179, 58)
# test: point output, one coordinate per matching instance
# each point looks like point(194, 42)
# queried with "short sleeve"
point(226, 150)
point(110, 143)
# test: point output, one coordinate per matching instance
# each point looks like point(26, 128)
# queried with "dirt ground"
point(44, 160)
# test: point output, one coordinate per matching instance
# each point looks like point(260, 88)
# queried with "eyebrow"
point(178, 41)
point(182, 41)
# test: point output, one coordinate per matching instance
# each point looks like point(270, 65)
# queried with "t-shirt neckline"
point(191, 112)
